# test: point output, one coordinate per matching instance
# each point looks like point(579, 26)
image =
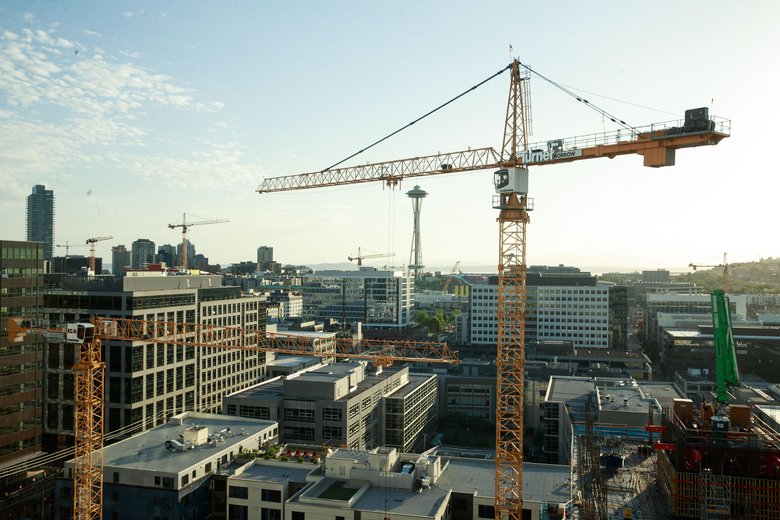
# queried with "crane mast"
point(657, 144)
point(91, 243)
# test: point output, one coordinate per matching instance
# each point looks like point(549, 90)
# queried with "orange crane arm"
point(656, 143)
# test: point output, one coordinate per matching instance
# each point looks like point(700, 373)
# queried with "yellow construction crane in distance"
point(360, 257)
point(725, 265)
point(450, 277)
point(184, 227)
point(657, 144)
point(90, 373)
point(91, 243)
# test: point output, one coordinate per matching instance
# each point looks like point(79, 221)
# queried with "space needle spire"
point(415, 256)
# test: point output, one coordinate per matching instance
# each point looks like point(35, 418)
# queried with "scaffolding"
point(716, 496)
point(718, 474)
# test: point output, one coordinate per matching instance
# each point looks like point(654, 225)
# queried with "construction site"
point(720, 466)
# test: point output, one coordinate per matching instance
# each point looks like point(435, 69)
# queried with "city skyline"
point(138, 113)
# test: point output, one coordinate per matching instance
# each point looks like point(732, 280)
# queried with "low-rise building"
point(164, 472)
point(344, 404)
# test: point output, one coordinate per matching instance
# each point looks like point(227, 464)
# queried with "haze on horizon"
point(137, 112)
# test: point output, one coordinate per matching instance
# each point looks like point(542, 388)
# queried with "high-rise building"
point(381, 300)
point(190, 254)
point(120, 258)
point(40, 218)
point(142, 253)
point(166, 254)
point(147, 382)
point(265, 255)
point(21, 387)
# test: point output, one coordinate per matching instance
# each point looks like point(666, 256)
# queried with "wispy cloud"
point(68, 102)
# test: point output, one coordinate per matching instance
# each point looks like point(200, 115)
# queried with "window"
point(486, 511)
point(238, 492)
point(236, 512)
point(271, 495)
point(270, 514)
point(331, 414)
point(298, 515)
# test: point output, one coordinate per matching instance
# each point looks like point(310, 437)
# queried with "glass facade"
point(40, 219)
point(21, 363)
point(378, 299)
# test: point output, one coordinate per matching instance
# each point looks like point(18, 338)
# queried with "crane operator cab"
point(511, 180)
point(79, 332)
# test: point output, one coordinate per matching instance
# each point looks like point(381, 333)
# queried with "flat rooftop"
point(147, 452)
point(276, 472)
point(540, 481)
point(569, 388)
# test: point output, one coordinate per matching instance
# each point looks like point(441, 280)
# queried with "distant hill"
point(758, 277)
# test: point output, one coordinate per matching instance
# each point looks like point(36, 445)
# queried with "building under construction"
point(721, 465)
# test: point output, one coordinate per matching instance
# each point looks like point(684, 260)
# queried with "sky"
point(136, 113)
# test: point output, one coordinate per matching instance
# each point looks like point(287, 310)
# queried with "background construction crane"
point(725, 265)
point(90, 373)
point(361, 257)
point(450, 277)
point(68, 246)
point(91, 243)
point(184, 227)
point(657, 144)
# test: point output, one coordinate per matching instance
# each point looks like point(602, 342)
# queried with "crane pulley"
point(657, 144)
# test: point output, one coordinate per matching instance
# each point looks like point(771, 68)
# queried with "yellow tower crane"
point(450, 277)
point(725, 265)
point(656, 143)
point(91, 243)
point(361, 257)
point(90, 373)
point(184, 227)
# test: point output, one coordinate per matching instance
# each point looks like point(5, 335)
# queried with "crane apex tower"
point(415, 256)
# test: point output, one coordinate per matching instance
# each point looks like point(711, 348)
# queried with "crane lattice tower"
point(415, 256)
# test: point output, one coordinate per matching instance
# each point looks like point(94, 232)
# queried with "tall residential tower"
point(40, 219)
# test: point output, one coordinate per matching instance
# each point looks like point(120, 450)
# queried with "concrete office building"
point(142, 253)
point(147, 382)
point(165, 472)
point(21, 362)
point(40, 219)
point(381, 300)
point(340, 404)
point(619, 409)
point(289, 303)
point(383, 483)
point(689, 304)
point(166, 254)
point(561, 306)
point(120, 258)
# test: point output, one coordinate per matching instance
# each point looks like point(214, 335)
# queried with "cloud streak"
point(66, 102)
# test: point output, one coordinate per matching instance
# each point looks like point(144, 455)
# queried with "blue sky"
point(137, 112)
